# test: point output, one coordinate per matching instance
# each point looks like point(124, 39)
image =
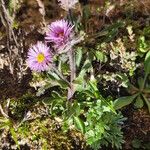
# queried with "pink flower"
point(39, 57)
point(59, 32)
point(67, 4)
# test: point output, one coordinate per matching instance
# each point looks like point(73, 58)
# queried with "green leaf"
point(12, 6)
point(56, 102)
point(63, 84)
point(142, 45)
point(3, 120)
point(140, 82)
point(86, 66)
point(55, 94)
point(4, 123)
point(146, 90)
point(100, 56)
point(94, 89)
point(14, 136)
point(123, 101)
point(78, 56)
point(113, 30)
point(79, 124)
point(93, 85)
point(147, 102)
point(53, 75)
point(89, 93)
point(124, 79)
point(139, 102)
point(76, 108)
point(147, 63)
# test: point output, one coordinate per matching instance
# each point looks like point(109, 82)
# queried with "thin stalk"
point(73, 72)
point(72, 65)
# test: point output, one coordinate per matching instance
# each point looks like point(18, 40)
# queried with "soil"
point(10, 87)
point(137, 126)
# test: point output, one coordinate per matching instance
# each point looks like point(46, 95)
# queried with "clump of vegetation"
point(33, 127)
point(86, 66)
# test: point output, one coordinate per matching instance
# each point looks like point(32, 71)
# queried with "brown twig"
point(7, 21)
point(3, 113)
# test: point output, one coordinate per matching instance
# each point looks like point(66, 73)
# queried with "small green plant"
point(6, 123)
point(89, 113)
point(103, 127)
point(142, 44)
point(72, 84)
point(140, 93)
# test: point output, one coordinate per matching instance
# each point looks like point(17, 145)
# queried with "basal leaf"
point(147, 102)
point(79, 124)
point(140, 82)
point(147, 63)
point(139, 102)
point(123, 101)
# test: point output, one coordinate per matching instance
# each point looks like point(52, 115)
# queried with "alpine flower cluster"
point(60, 32)
point(39, 56)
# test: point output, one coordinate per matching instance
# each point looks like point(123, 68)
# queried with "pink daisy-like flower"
point(59, 32)
point(39, 57)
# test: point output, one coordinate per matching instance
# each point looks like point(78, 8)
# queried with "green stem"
point(72, 65)
point(73, 72)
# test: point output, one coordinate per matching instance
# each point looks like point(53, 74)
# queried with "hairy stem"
point(72, 65)
point(72, 74)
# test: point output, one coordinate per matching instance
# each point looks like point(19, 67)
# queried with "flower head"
point(39, 57)
point(68, 4)
point(59, 32)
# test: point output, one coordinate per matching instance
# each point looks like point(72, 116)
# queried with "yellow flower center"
point(40, 57)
